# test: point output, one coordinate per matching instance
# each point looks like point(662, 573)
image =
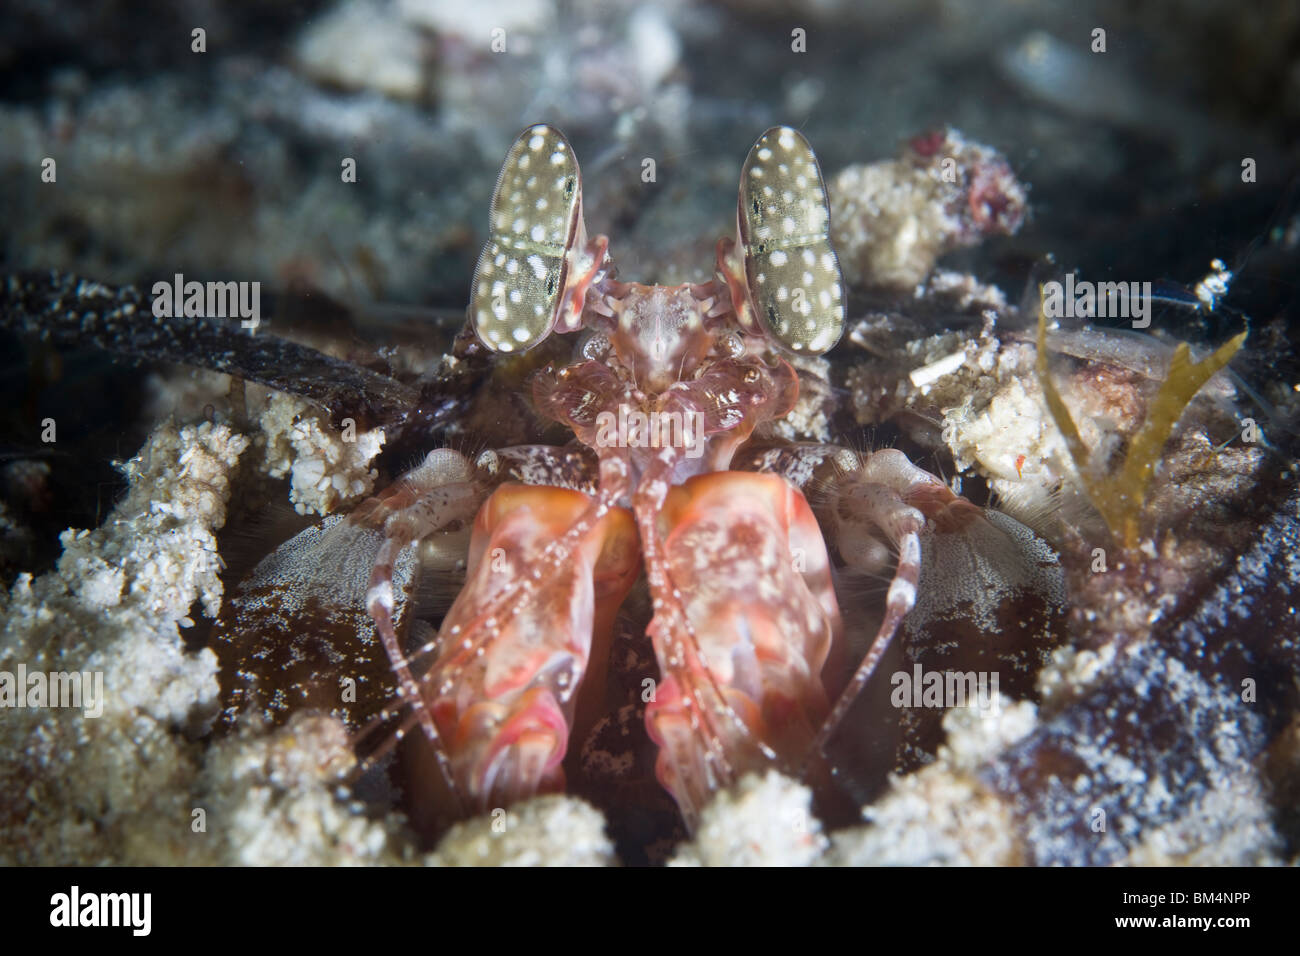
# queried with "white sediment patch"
point(271, 800)
point(545, 831)
point(763, 821)
point(328, 469)
point(94, 791)
point(128, 788)
point(364, 46)
point(941, 815)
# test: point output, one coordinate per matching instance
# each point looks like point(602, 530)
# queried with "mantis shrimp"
point(663, 395)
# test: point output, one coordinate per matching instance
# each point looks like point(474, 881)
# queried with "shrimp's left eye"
point(792, 271)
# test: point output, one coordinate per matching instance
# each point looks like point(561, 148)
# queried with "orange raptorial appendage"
point(748, 563)
point(503, 692)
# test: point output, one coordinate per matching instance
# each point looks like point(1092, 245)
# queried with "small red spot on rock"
point(927, 144)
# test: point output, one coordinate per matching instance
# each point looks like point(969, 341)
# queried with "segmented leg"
point(879, 494)
point(689, 686)
point(442, 490)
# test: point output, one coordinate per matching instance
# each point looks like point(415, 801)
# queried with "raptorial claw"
point(742, 664)
point(503, 691)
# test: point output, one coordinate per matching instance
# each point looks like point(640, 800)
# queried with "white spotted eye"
point(791, 269)
point(519, 280)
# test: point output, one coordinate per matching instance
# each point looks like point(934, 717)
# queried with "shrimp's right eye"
point(519, 279)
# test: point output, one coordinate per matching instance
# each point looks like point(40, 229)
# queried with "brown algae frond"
point(1120, 496)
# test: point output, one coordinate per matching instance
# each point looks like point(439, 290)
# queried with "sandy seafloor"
point(121, 537)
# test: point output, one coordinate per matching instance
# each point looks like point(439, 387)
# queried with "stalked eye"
point(791, 270)
point(519, 280)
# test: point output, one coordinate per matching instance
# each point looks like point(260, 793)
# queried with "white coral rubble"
point(545, 831)
point(941, 815)
point(83, 789)
point(269, 800)
point(327, 468)
point(763, 821)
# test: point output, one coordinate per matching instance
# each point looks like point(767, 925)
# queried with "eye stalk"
point(791, 276)
point(523, 274)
